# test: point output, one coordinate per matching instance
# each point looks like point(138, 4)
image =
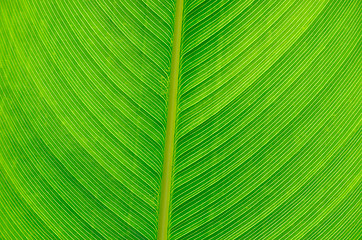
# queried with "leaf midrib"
point(163, 218)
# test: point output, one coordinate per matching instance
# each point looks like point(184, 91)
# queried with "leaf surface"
point(180, 119)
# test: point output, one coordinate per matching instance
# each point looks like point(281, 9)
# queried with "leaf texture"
point(269, 121)
point(83, 114)
point(268, 127)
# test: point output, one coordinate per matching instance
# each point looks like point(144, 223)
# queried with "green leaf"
point(180, 119)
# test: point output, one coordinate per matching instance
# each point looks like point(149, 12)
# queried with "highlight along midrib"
point(163, 218)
